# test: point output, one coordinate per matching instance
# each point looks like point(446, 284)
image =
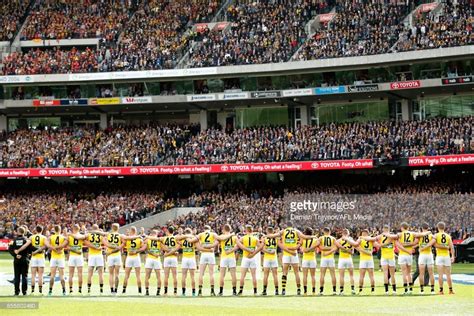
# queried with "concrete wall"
point(3, 122)
point(162, 218)
point(63, 42)
point(194, 118)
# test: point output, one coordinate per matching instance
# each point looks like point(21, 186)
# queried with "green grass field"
point(462, 303)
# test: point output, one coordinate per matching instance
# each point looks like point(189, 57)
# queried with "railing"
point(221, 14)
point(299, 67)
point(257, 167)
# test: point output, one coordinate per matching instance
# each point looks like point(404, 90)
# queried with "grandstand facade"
point(218, 69)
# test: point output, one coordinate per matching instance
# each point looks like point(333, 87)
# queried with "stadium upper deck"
point(160, 34)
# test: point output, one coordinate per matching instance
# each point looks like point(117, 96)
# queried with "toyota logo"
point(395, 85)
point(43, 172)
point(224, 168)
point(134, 170)
point(315, 165)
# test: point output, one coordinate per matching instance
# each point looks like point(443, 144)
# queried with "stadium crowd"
point(69, 19)
point(174, 145)
point(50, 61)
point(452, 28)
point(260, 32)
point(378, 200)
point(381, 200)
point(359, 28)
point(155, 34)
point(70, 207)
point(375, 210)
point(11, 17)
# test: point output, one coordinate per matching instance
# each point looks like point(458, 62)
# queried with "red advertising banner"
point(405, 85)
point(324, 18)
point(427, 7)
point(189, 169)
point(220, 26)
point(201, 27)
point(4, 244)
point(38, 102)
point(441, 160)
point(457, 241)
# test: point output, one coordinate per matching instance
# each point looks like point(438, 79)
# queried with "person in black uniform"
point(21, 260)
point(28, 234)
point(416, 274)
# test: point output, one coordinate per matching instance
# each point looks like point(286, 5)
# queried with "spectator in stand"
point(359, 28)
point(155, 34)
point(50, 61)
point(173, 145)
point(452, 28)
point(155, 38)
point(12, 14)
point(431, 198)
point(67, 19)
point(136, 90)
point(383, 140)
point(412, 203)
point(122, 146)
point(51, 208)
point(260, 32)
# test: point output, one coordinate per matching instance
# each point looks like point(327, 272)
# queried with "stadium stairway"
point(311, 27)
point(183, 61)
point(119, 38)
point(162, 218)
point(221, 14)
point(16, 44)
point(409, 20)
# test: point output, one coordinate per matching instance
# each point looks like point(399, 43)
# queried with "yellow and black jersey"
point(388, 251)
point(96, 240)
point(227, 245)
point(425, 240)
point(346, 245)
point(406, 237)
point(444, 240)
point(133, 245)
point(307, 244)
point(153, 248)
point(206, 238)
point(37, 241)
point(189, 249)
point(290, 239)
point(250, 242)
point(327, 242)
point(75, 245)
point(113, 239)
point(271, 245)
point(170, 242)
point(55, 241)
point(367, 246)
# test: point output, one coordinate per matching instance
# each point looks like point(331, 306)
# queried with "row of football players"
point(291, 242)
